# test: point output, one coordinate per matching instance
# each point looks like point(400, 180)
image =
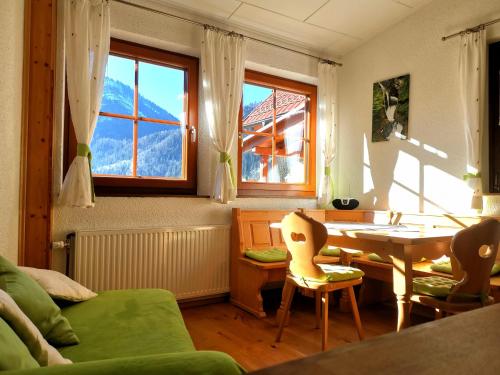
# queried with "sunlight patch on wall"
point(403, 199)
point(404, 192)
point(367, 174)
point(442, 191)
point(435, 151)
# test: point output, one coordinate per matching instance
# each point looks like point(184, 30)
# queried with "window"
point(277, 138)
point(145, 137)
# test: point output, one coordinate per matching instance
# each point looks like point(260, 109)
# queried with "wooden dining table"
point(400, 244)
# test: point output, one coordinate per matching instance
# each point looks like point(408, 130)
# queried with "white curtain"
point(327, 102)
point(472, 71)
point(87, 37)
point(223, 69)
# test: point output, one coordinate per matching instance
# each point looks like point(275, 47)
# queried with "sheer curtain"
point(223, 68)
point(327, 99)
point(472, 72)
point(87, 36)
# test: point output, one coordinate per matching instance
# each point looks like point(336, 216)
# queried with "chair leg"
point(355, 313)
point(288, 302)
point(318, 309)
point(324, 325)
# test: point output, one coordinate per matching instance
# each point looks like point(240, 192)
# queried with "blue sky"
point(162, 85)
point(165, 86)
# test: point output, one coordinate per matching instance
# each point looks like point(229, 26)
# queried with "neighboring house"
point(288, 133)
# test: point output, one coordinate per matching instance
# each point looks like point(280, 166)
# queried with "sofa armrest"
point(189, 363)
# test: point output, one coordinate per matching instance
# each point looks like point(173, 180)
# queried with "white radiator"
point(189, 261)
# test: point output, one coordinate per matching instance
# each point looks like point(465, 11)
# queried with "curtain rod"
point(471, 30)
point(328, 61)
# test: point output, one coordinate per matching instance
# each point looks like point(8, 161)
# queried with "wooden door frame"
point(35, 211)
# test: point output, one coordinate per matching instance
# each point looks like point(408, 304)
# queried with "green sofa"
point(133, 332)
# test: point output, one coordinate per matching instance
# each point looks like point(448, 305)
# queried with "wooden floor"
point(250, 341)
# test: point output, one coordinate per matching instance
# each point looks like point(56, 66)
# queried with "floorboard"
point(250, 341)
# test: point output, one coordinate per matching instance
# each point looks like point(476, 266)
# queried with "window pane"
point(161, 92)
point(290, 114)
point(159, 150)
point(257, 108)
point(256, 158)
point(118, 95)
point(112, 146)
point(289, 163)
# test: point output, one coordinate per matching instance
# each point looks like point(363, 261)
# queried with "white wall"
point(424, 174)
point(11, 75)
point(159, 31)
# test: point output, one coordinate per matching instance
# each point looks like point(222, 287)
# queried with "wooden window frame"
point(262, 189)
point(147, 186)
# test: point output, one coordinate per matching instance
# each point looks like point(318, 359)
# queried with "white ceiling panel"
point(214, 8)
point(333, 26)
point(359, 18)
point(270, 22)
point(297, 9)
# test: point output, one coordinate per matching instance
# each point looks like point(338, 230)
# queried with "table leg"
point(402, 283)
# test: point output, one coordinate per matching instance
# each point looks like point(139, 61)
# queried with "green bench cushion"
point(435, 286)
point(335, 272)
point(14, 355)
point(124, 323)
point(332, 251)
point(446, 268)
point(267, 255)
point(377, 258)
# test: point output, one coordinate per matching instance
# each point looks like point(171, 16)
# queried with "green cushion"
point(124, 323)
point(36, 304)
point(435, 286)
point(14, 355)
point(332, 251)
point(335, 272)
point(377, 258)
point(446, 268)
point(267, 255)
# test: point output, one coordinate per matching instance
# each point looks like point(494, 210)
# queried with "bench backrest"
point(251, 229)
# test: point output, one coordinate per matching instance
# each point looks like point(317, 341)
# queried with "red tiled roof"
point(285, 102)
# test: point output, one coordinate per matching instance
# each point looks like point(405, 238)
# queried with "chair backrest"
point(304, 237)
point(475, 248)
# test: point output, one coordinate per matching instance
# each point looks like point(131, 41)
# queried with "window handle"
point(192, 132)
point(240, 137)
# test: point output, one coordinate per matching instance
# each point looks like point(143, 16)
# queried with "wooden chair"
point(474, 252)
point(304, 237)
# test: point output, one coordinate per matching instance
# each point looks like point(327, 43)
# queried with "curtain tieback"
point(83, 149)
point(224, 157)
point(328, 171)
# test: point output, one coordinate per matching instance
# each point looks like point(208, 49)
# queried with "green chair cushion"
point(267, 255)
point(125, 323)
point(377, 258)
point(332, 251)
point(446, 268)
point(14, 355)
point(335, 272)
point(36, 304)
point(435, 286)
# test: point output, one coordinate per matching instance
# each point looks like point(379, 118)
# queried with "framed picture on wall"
point(391, 104)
